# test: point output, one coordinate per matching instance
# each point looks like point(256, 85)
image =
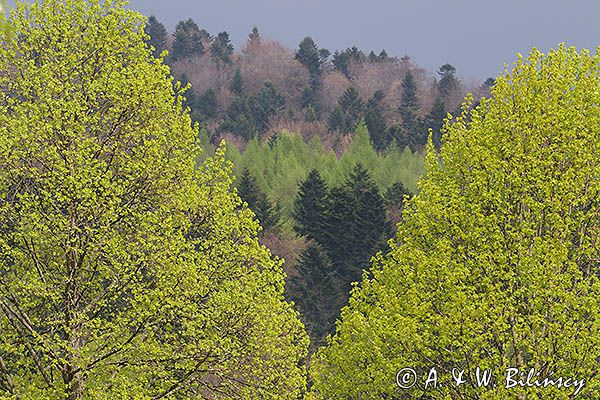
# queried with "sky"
point(477, 37)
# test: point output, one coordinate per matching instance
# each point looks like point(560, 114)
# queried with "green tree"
point(125, 272)
point(157, 35)
point(435, 121)
point(221, 49)
point(348, 113)
point(355, 226)
point(236, 85)
point(207, 105)
point(310, 207)
point(308, 55)
point(257, 201)
point(448, 83)
point(314, 292)
point(376, 123)
point(411, 128)
point(254, 36)
point(187, 41)
point(267, 103)
point(496, 263)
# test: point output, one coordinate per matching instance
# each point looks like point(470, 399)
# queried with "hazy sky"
point(477, 37)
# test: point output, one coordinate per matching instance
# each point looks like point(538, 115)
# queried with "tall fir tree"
point(435, 120)
point(236, 85)
point(411, 132)
point(376, 123)
point(157, 35)
point(310, 207)
point(221, 49)
point(348, 112)
point(355, 227)
point(267, 214)
point(308, 55)
point(187, 41)
point(265, 104)
point(448, 83)
point(315, 294)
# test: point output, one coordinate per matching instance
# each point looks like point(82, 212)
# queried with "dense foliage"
point(496, 263)
point(126, 270)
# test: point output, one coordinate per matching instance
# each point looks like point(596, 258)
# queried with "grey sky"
point(477, 37)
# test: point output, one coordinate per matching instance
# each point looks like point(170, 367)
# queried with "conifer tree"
point(448, 82)
point(248, 190)
point(236, 85)
point(221, 49)
point(157, 35)
point(315, 294)
point(348, 112)
point(254, 36)
point(187, 41)
point(207, 105)
point(127, 271)
point(267, 103)
point(308, 55)
point(409, 111)
point(376, 123)
point(435, 120)
point(310, 207)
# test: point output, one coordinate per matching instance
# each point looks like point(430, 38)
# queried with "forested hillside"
point(286, 112)
point(180, 219)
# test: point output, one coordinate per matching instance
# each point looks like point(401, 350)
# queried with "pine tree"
point(221, 49)
point(238, 119)
point(187, 41)
point(448, 83)
point(435, 120)
point(315, 293)
point(254, 36)
point(308, 55)
point(310, 207)
point(267, 103)
point(207, 105)
point(376, 123)
point(157, 35)
point(236, 85)
point(409, 111)
point(267, 214)
point(348, 112)
point(355, 226)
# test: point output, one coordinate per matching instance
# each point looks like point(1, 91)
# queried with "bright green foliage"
point(279, 168)
point(126, 273)
point(496, 263)
point(157, 35)
point(315, 294)
point(257, 201)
